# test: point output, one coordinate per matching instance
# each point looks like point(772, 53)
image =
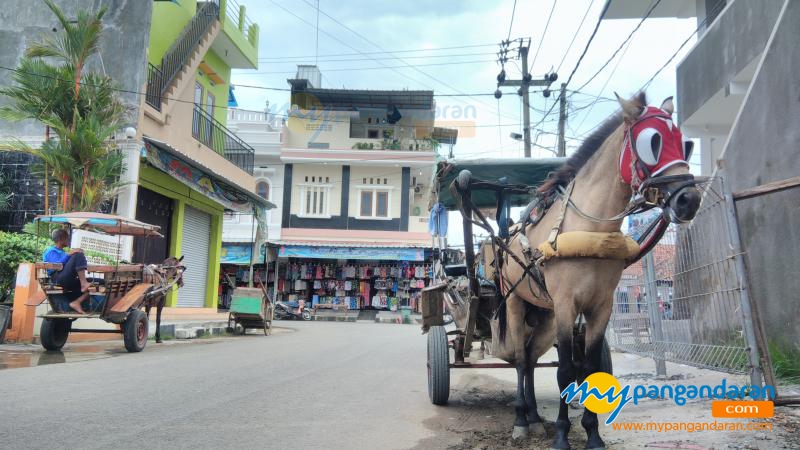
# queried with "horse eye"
point(648, 146)
point(688, 146)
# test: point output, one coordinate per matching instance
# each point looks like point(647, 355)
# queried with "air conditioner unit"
point(419, 189)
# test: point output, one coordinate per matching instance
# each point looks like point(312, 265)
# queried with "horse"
point(163, 276)
point(637, 150)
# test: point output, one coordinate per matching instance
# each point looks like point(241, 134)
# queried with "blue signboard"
point(374, 253)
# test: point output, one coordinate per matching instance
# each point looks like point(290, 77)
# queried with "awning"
point(351, 252)
point(202, 179)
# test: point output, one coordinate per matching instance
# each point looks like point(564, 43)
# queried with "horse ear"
point(668, 105)
point(181, 258)
point(631, 109)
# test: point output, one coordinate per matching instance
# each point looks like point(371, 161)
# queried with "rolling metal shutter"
point(194, 246)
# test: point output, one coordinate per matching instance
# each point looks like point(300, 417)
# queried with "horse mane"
point(566, 173)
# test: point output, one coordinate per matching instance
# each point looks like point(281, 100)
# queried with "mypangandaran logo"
point(602, 393)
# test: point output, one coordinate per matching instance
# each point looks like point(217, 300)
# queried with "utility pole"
point(524, 85)
point(526, 109)
point(562, 121)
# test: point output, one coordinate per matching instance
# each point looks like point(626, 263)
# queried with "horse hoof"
point(158, 341)
point(537, 429)
point(519, 432)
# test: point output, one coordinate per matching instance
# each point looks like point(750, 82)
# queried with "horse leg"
point(592, 364)
point(537, 345)
point(520, 404)
point(159, 307)
point(515, 339)
point(565, 375)
point(535, 422)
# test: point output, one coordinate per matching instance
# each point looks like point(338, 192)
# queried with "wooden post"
point(21, 327)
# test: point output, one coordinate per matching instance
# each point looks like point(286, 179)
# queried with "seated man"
point(72, 276)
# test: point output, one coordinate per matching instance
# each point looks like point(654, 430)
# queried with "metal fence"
point(686, 301)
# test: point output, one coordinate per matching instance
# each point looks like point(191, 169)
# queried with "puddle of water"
point(15, 359)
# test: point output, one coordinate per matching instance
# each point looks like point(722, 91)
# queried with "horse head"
point(654, 158)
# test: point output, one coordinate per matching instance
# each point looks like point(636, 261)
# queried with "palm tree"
point(81, 108)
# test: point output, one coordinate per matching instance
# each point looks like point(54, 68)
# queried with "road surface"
point(323, 385)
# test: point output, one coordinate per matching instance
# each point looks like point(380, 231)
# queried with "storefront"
point(352, 277)
point(235, 264)
point(188, 201)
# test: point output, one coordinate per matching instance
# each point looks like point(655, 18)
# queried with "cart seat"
point(455, 270)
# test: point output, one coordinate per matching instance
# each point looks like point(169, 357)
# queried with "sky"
point(356, 58)
point(450, 46)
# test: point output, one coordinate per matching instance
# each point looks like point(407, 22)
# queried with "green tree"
point(81, 108)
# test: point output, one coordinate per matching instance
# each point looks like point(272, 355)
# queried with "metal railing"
point(177, 56)
point(683, 301)
point(233, 10)
point(155, 83)
point(215, 136)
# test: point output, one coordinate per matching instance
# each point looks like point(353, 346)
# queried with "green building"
point(191, 169)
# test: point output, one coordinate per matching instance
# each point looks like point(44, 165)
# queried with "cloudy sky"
point(450, 47)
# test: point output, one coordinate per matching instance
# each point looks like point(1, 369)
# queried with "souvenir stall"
point(359, 278)
point(235, 270)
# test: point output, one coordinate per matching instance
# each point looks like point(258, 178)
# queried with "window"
point(262, 189)
point(366, 203)
point(372, 134)
point(382, 204)
point(374, 202)
point(314, 200)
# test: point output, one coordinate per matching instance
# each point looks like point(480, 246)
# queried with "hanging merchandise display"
point(384, 285)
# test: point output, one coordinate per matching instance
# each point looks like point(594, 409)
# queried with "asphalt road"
point(324, 385)
point(327, 385)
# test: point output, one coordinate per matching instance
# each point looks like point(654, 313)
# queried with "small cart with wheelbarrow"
point(250, 308)
point(117, 292)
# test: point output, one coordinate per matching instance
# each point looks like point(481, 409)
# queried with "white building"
point(263, 131)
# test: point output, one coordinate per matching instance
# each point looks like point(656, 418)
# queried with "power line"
point(702, 24)
point(349, 69)
point(511, 23)
point(575, 35)
point(611, 75)
point(372, 58)
point(627, 39)
point(372, 43)
point(589, 42)
point(281, 58)
point(544, 33)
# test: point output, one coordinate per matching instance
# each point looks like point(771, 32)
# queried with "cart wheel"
point(134, 331)
point(267, 319)
point(54, 333)
point(438, 366)
point(306, 314)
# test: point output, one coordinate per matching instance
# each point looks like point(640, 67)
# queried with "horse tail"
point(502, 321)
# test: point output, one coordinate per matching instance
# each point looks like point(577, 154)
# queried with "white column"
point(126, 199)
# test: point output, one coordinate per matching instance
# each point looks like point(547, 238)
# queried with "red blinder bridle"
point(652, 144)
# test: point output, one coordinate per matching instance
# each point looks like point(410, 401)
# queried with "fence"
point(215, 136)
point(687, 301)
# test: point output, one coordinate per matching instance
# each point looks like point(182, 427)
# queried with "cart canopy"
point(103, 223)
point(518, 171)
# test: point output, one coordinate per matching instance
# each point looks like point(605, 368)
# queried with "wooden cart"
point(250, 308)
point(118, 291)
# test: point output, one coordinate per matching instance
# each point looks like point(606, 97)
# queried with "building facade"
point(357, 167)
point(195, 168)
point(738, 93)
point(241, 241)
point(184, 168)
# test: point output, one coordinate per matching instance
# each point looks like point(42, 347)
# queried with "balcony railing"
point(215, 136)
point(155, 83)
point(159, 78)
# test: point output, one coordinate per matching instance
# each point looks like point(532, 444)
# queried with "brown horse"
point(637, 150)
point(163, 276)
